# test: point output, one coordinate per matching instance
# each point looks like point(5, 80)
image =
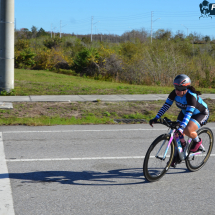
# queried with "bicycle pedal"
point(179, 161)
point(201, 149)
point(198, 150)
point(174, 166)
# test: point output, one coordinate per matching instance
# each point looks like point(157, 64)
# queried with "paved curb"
point(5, 101)
point(4, 105)
point(92, 98)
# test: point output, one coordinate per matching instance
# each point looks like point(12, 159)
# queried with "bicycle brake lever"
point(160, 121)
point(166, 121)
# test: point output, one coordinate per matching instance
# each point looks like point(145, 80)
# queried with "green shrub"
point(205, 82)
point(21, 44)
point(86, 62)
point(51, 59)
point(52, 42)
point(25, 58)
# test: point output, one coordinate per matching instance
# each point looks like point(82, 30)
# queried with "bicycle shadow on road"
point(115, 177)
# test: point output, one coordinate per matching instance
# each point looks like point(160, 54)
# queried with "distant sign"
point(212, 9)
point(207, 9)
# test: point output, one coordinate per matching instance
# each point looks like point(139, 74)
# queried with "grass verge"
point(65, 113)
point(33, 82)
point(47, 121)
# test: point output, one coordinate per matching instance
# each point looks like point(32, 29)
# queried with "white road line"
point(75, 159)
point(108, 130)
point(78, 159)
point(68, 131)
point(6, 200)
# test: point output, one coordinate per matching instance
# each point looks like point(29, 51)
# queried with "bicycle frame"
point(172, 131)
point(184, 154)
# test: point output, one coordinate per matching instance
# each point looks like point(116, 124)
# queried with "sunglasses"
point(179, 89)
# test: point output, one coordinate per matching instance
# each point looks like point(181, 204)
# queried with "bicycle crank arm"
point(196, 153)
point(160, 158)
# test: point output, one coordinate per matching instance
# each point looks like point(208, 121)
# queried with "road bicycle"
point(162, 150)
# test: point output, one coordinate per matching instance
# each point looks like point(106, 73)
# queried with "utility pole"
point(7, 45)
point(60, 28)
point(109, 35)
point(91, 28)
point(51, 30)
point(186, 28)
point(151, 23)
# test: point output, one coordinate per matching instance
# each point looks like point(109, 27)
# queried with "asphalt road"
point(95, 169)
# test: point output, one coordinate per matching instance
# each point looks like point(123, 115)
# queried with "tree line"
point(141, 34)
point(130, 57)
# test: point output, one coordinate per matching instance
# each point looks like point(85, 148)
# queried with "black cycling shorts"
point(200, 119)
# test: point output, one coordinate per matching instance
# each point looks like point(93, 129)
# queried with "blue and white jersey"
point(190, 104)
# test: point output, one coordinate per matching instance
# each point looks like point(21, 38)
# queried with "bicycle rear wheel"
point(196, 162)
point(154, 167)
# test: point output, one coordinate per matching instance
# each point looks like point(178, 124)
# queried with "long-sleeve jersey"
point(190, 104)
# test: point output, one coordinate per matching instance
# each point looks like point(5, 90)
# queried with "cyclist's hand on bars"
point(152, 121)
point(180, 131)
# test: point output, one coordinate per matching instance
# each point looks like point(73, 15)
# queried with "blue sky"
point(113, 16)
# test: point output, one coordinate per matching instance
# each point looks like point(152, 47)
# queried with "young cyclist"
point(194, 111)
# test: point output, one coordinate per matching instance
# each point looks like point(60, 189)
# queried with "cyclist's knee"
point(190, 130)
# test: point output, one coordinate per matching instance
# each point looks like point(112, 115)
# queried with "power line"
point(169, 20)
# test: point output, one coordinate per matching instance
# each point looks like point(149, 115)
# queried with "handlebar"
point(167, 122)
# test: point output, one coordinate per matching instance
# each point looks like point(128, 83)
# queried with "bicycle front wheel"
point(155, 164)
point(194, 163)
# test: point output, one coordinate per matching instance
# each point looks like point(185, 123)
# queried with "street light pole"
point(7, 45)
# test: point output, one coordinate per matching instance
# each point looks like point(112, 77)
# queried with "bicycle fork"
point(167, 148)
